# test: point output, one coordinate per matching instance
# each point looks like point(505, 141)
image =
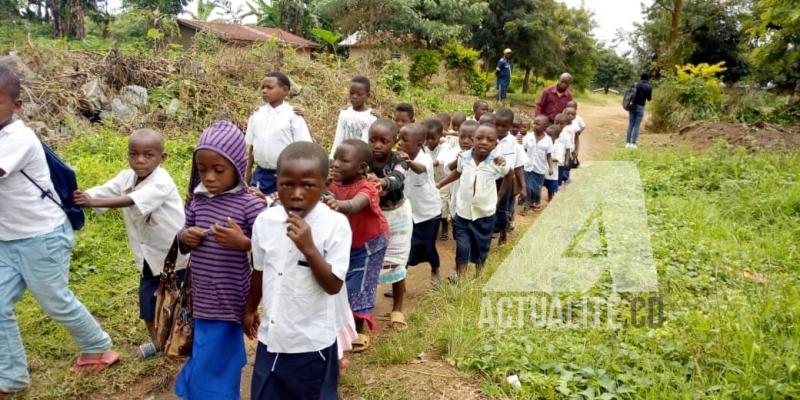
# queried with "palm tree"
point(204, 9)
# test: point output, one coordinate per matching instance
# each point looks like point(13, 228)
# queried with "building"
point(377, 47)
point(242, 35)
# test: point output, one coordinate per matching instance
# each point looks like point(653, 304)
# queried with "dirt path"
point(434, 378)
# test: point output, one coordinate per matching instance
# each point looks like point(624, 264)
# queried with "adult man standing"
point(554, 99)
point(503, 72)
point(644, 93)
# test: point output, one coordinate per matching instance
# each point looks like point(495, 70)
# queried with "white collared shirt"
point(298, 315)
point(507, 148)
point(477, 191)
point(153, 220)
point(24, 213)
point(352, 124)
point(568, 135)
point(578, 123)
point(520, 158)
point(537, 153)
point(421, 191)
point(270, 130)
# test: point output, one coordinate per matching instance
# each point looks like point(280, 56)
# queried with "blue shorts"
point(264, 180)
point(302, 376)
point(473, 238)
point(533, 183)
point(148, 285)
point(551, 185)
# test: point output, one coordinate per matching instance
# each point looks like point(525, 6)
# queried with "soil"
point(760, 136)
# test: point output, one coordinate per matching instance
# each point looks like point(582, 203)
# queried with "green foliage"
point(169, 7)
point(424, 64)
point(693, 93)
point(464, 60)
point(394, 77)
point(775, 28)
point(330, 38)
point(291, 15)
point(206, 42)
point(612, 71)
point(754, 106)
point(204, 9)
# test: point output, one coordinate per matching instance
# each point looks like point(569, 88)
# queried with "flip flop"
point(398, 321)
point(388, 293)
point(94, 365)
point(360, 343)
point(384, 317)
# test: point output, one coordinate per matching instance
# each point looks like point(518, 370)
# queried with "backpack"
point(627, 99)
point(64, 183)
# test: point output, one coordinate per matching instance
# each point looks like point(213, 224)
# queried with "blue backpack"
point(64, 183)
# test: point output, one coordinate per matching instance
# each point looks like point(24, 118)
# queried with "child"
point(420, 190)
point(539, 147)
point(476, 172)
point(359, 199)
point(269, 130)
point(446, 120)
point(507, 148)
point(300, 259)
point(551, 181)
point(403, 115)
point(434, 147)
point(451, 134)
point(566, 135)
point(153, 214)
point(388, 171)
point(354, 121)
point(575, 129)
point(520, 185)
point(479, 107)
point(578, 123)
point(450, 158)
point(487, 118)
point(524, 127)
point(219, 221)
point(35, 245)
point(458, 119)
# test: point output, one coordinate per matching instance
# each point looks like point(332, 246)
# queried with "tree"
point(67, 18)
point(291, 15)
point(204, 9)
point(168, 7)
point(611, 70)
point(774, 31)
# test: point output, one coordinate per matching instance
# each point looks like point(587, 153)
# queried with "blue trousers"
point(297, 376)
point(533, 183)
point(264, 180)
point(503, 209)
point(40, 264)
point(635, 118)
point(502, 89)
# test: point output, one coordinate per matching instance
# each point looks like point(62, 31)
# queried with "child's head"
point(540, 123)
point(434, 129)
point(561, 121)
point(145, 151)
point(10, 102)
point(516, 127)
point(359, 92)
point(445, 119)
point(466, 134)
point(573, 104)
point(382, 137)
point(219, 158)
point(403, 115)
point(487, 119)
point(351, 161)
point(275, 87)
point(525, 126)
point(485, 140)
point(301, 175)
point(479, 108)
point(458, 119)
point(503, 120)
point(570, 113)
point(553, 131)
point(412, 137)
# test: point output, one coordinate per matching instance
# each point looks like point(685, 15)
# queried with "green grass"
point(716, 219)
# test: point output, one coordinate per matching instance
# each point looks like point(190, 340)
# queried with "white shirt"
point(421, 191)
point(23, 211)
point(446, 158)
point(298, 315)
point(352, 124)
point(537, 153)
point(578, 123)
point(557, 158)
point(520, 158)
point(154, 219)
point(568, 133)
point(477, 191)
point(507, 148)
point(441, 148)
point(270, 130)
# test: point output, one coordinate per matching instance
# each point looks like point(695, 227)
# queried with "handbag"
point(174, 324)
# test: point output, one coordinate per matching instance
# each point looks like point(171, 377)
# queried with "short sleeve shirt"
point(271, 129)
point(421, 191)
point(352, 124)
point(477, 191)
point(537, 153)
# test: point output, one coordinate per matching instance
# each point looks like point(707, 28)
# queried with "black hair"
point(470, 123)
point(559, 115)
point(362, 80)
point(418, 131)
point(363, 151)
point(645, 76)
point(281, 77)
point(406, 108)
point(487, 118)
point(9, 83)
point(478, 103)
point(444, 114)
point(492, 127)
point(433, 124)
point(505, 113)
point(305, 151)
point(459, 116)
point(386, 123)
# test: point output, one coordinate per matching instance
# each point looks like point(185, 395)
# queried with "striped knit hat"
point(225, 139)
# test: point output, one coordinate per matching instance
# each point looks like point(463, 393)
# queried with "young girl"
point(355, 120)
point(388, 172)
point(358, 198)
point(219, 220)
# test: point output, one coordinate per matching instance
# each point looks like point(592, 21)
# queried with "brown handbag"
point(174, 325)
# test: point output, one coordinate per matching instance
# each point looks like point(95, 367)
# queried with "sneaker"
point(634, 146)
point(627, 145)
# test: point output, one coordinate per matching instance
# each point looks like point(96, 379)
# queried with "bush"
point(464, 60)
point(751, 106)
point(424, 64)
point(206, 42)
point(693, 93)
point(393, 77)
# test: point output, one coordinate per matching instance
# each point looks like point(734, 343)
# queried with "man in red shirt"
point(554, 99)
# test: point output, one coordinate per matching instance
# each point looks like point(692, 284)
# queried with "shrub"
point(424, 64)
point(465, 61)
point(393, 77)
point(206, 42)
point(693, 93)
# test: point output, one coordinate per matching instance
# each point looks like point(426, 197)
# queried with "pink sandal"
point(96, 365)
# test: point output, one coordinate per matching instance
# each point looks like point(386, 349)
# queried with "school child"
point(477, 171)
point(301, 253)
point(450, 159)
point(566, 135)
point(446, 120)
point(458, 119)
point(479, 107)
point(389, 173)
point(355, 120)
point(520, 185)
point(35, 245)
point(487, 118)
point(403, 115)
point(507, 148)
point(219, 222)
point(420, 190)
point(551, 181)
point(269, 130)
point(575, 129)
point(539, 147)
point(522, 130)
point(359, 199)
point(449, 136)
point(578, 123)
point(153, 213)
point(435, 147)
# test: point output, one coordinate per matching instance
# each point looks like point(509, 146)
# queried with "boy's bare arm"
point(504, 185)
point(448, 179)
point(300, 233)
point(250, 320)
point(248, 171)
point(85, 200)
point(523, 188)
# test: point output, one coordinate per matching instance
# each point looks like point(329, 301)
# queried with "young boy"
point(458, 119)
point(269, 130)
point(434, 147)
point(477, 170)
point(35, 246)
point(153, 213)
point(301, 252)
point(551, 181)
point(354, 121)
point(578, 123)
point(566, 136)
point(539, 147)
point(506, 148)
point(575, 130)
point(479, 107)
point(420, 190)
point(403, 115)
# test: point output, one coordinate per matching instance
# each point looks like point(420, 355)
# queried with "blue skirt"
point(363, 273)
point(214, 371)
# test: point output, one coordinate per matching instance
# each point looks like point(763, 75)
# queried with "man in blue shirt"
point(503, 73)
point(644, 93)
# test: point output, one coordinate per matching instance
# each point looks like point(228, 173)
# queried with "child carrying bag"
point(64, 184)
point(174, 327)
